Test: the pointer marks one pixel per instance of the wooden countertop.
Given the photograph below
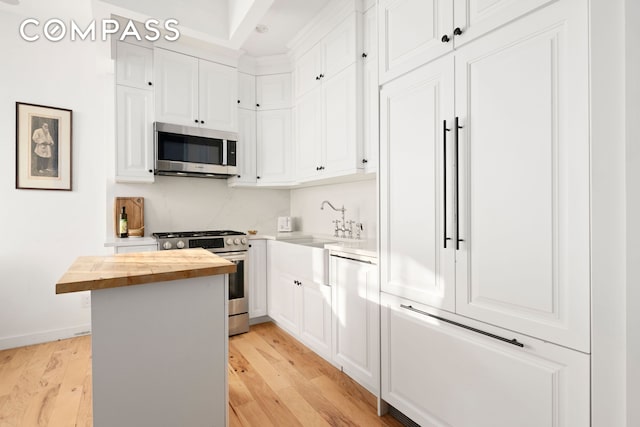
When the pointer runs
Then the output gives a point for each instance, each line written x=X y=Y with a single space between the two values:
x=89 y=273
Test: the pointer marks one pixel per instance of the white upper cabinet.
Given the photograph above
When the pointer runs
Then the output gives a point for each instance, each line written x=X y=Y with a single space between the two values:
x=414 y=262
x=329 y=97
x=307 y=71
x=218 y=92
x=134 y=113
x=412 y=32
x=247 y=145
x=335 y=52
x=246 y=91
x=273 y=92
x=195 y=92
x=328 y=143
x=176 y=88
x=274 y=147
x=474 y=18
x=342 y=142
x=339 y=47
x=370 y=87
x=523 y=262
x=134 y=66
x=308 y=134
x=134 y=132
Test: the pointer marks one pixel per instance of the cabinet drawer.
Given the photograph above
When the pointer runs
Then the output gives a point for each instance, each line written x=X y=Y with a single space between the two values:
x=440 y=374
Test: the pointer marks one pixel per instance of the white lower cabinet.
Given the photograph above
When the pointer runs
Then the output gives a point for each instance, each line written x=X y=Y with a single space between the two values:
x=257 y=263
x=299 y=297
x=356 y=318
x=439 y=374
x=315 y=316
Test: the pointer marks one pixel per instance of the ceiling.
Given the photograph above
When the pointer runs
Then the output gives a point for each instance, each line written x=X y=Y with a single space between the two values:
x=285 y=19
x=231 y=23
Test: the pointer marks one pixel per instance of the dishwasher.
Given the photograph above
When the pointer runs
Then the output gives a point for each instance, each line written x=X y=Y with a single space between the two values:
x=356 y=316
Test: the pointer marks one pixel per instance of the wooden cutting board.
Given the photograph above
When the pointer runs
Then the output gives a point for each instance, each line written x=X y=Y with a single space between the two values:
x=134 y=207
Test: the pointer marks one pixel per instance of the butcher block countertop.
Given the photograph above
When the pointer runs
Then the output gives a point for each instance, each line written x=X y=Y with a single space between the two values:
x=90 y=273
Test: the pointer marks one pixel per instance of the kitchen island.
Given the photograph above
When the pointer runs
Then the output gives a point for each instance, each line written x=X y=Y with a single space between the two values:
x=159 y=336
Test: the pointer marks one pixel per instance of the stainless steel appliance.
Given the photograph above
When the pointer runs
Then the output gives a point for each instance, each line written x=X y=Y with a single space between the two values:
x=231 y=245
x=194 y=151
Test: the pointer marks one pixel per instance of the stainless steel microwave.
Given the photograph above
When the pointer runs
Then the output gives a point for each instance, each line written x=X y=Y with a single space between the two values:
x=192 y=151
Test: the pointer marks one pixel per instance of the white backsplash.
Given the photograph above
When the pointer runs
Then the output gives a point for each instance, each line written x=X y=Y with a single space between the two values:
x=359 y=199
x=192 y=204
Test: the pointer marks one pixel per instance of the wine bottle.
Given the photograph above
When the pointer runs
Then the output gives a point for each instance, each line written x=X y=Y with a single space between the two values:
x=124 y=224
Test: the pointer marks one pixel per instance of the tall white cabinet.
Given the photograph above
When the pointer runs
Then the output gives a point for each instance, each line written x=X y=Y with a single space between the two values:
x=329 y=99
x=484 y=192
x=134 y=113
x=265 y=142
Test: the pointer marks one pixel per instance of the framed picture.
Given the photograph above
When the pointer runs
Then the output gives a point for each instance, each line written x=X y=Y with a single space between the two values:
x=43 y=147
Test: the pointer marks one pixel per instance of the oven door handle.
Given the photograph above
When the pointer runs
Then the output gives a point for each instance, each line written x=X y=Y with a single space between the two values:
x=232 y=256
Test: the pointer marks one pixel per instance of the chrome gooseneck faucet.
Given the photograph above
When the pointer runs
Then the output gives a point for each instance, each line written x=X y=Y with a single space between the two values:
x=340 y=225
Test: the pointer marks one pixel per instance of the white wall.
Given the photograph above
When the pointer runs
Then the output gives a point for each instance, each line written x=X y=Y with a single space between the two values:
x=44 y=231
x=189 y=204
x=358 y=198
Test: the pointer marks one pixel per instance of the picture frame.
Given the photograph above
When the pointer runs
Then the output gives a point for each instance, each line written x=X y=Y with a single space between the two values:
x=43 y=147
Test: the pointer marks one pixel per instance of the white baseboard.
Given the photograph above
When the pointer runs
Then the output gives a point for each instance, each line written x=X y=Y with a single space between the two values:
x=40 y=337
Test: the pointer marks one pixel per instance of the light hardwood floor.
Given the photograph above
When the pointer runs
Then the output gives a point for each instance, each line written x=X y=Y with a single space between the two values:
x=273 y=381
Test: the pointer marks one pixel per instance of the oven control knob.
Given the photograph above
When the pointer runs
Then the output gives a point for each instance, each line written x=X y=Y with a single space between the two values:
x=236 y=241
x=180 y=244
x=229 y=241
x=244 y=241
x=166 y=245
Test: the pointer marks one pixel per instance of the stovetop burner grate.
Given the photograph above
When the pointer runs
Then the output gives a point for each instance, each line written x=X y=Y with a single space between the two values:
x=192 y=234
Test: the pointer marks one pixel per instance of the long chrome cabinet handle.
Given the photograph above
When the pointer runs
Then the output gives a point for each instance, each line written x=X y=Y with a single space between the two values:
x=479 y=331
x=444 y=186
x=457 y=186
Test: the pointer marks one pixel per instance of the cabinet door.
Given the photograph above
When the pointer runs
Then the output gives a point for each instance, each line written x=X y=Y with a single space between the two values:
x=273 y=91
x=413 y=261
x=274 y=146
x=257 y=257
x=218 y=96
x=443 y=375
x=315 y=316
x=246 y=91
x=371 y=109
x=342 y=141
x=246 y=146
x=286 y=301
x=134 y=146
x=307 y=71
x=410 y=34
x=524 y=177
x=339 y=47
x=176 y=78
x=478 y=17
x=356 y=320
x=370 y=39
x=134 y=66
x=308 y=135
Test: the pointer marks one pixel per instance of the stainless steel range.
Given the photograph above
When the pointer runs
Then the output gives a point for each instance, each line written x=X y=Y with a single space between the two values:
x=231 y=245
